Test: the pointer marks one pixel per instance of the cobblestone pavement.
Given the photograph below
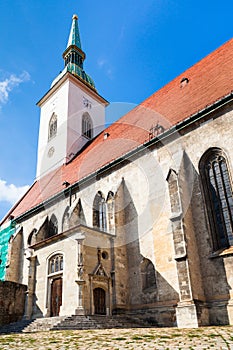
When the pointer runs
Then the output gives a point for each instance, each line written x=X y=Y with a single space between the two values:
x=136 y=339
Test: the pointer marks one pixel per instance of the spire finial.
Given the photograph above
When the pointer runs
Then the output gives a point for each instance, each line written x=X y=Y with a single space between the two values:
x=74 y=55
x=74 y=38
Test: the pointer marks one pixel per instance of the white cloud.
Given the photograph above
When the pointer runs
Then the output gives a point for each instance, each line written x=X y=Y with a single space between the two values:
x=104 y=64
x=101 y=62
x=109 y=73
x=8 y=85
x=11 y=193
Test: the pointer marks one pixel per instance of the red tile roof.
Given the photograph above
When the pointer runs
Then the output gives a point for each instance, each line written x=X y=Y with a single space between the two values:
x=208 y=81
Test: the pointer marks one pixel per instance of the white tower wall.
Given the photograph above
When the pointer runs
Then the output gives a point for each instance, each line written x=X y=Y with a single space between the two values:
x=71 y=95
x=52 y=153
x=69 y=102
x=80 y=102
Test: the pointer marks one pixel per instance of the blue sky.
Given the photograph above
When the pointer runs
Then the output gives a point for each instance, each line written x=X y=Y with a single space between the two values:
x=133 y=48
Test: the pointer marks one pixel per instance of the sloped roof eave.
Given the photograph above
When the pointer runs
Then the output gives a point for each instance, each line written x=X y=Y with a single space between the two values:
x=191 y=119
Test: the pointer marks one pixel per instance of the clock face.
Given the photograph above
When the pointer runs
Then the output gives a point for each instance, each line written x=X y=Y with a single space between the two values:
x=86 y=102
x=51 y=152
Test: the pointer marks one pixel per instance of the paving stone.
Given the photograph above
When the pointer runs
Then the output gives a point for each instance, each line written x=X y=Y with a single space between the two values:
x=216 y=338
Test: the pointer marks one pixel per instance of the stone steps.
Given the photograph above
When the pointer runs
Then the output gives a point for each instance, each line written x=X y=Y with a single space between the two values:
x=43 y=324
x=72 y=323
x=97 y=322
x=15 y=327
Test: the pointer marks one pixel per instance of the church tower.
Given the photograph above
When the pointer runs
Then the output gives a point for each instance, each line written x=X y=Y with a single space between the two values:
x=72 y=111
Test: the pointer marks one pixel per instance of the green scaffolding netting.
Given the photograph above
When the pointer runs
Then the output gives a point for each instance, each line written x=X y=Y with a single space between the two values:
x=5 y=234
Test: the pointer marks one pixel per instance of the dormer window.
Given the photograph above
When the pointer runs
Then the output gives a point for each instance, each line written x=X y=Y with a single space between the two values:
x=52 y=132
x=87 y=128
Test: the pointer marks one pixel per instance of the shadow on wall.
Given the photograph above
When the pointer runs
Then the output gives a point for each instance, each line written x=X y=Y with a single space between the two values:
x=211 y=271
x=72 y=217
x=139 y=285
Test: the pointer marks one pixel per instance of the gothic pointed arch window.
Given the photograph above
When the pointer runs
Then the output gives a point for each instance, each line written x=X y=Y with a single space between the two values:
x=110 y=204
x=148 y=275
x=99 y=212
x=52 y=131
x=217 y=188
x=52 y=226
x=87 y=126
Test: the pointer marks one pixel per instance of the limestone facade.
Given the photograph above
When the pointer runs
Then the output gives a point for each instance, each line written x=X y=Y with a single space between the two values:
x=160 y=218
x=137 y=219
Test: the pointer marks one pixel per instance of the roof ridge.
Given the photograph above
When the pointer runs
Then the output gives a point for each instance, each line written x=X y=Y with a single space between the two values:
x=210 y=80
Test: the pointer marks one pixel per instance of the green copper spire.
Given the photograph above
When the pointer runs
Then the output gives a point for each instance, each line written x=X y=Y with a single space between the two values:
x=74 y=55
x=74 y=38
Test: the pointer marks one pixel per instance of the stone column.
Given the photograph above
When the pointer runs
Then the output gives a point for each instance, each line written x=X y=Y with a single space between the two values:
x=92 y=307
x=119 y=250
x=113 y=283
x=31 y=287
x=80 y=281
x=48 y=304
x=109 y=304
x=186 y=312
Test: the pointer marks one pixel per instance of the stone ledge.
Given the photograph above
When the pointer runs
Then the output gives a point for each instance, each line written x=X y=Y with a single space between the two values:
x=221 y=253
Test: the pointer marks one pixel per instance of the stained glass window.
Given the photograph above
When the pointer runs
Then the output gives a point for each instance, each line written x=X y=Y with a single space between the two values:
x=217 y=187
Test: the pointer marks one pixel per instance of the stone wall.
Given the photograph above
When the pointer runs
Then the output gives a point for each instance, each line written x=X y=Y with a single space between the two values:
x=12 y=299
x=160 y=215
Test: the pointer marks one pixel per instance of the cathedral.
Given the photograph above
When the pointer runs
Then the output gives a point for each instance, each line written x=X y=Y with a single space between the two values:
x=135 y=218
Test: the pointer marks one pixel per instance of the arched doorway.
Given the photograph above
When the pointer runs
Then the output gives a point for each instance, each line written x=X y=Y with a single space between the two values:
x=99 y=301
x=55 y=274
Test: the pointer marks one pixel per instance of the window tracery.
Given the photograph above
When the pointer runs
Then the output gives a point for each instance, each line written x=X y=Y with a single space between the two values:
x=52 y=132
x=218 y=194
x=99 y=212
x=55 y=264
x=87 y=128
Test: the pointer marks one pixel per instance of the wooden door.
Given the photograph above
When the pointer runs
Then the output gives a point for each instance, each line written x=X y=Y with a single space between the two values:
x=56 y=296
x=99 y=301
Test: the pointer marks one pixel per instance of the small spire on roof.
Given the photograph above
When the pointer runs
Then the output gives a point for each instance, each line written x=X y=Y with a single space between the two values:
x=75 y=17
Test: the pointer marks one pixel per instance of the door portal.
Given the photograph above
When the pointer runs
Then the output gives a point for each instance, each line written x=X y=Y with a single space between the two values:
x=56 y=296
x=99 y=301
